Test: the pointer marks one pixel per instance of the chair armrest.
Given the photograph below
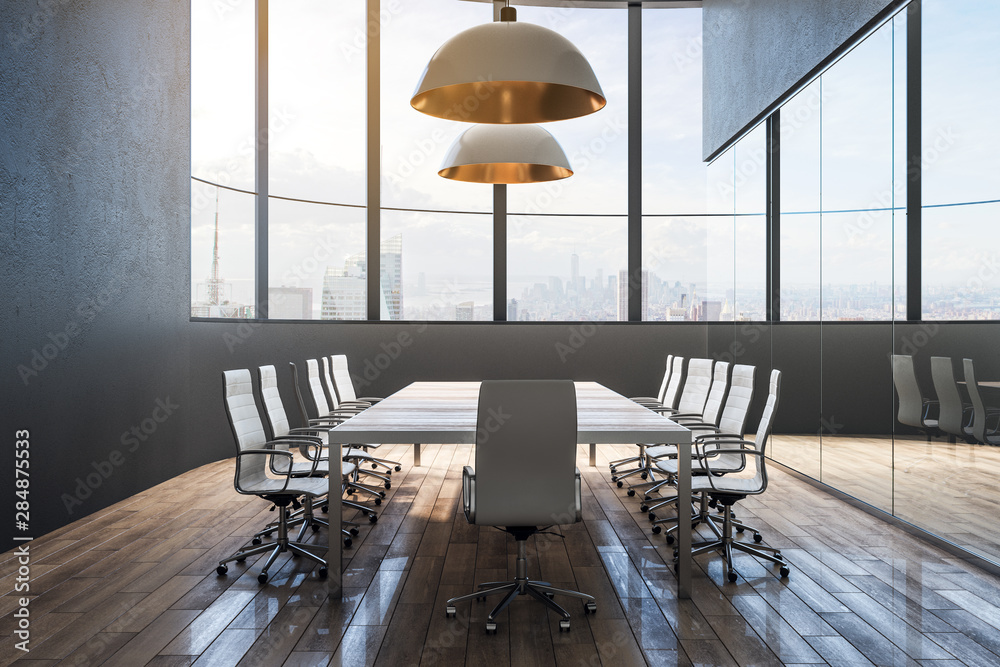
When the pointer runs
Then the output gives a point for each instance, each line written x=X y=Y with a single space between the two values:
x=368 y=399
x=645 y=399
x=293 y=437
x=687 y=415
x=265 y=452
x=663 y=409
x=469 y=493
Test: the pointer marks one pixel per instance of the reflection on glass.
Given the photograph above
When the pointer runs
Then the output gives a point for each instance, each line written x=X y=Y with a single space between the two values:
x=316 y=261
x=222 y=259
x=566 y=268
x=436 y=266
x=748 y=301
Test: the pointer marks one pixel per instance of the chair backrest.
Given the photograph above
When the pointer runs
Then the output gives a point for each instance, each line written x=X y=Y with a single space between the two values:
x=734 y=416
x=764 y=430
x=342 y=382
x=274 y=409
x=720 y=383
x=331 y=393
x=696 y=386
x=950 y=418
x=526 y=453
x=298 y=394
x=315 y=383
x=674 y=385
x=978 y=407
x=911 y=400
x=248 y=431
x=666 y=379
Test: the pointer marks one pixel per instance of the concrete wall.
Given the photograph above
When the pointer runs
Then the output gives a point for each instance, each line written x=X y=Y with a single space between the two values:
x=755 y=52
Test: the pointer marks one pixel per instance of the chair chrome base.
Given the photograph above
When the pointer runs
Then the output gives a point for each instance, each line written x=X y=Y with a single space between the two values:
x=281 y=545
x=522 y=585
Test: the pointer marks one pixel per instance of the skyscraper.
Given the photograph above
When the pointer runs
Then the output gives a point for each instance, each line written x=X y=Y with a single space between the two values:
x=512 y=310
x=623 y=295
x=345 y=291
x=574 y=272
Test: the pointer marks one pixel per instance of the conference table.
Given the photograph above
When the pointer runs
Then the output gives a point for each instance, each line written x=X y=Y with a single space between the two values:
x=445 y=413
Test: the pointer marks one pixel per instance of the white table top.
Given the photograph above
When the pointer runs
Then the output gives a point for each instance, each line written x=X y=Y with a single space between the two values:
x=445 y=413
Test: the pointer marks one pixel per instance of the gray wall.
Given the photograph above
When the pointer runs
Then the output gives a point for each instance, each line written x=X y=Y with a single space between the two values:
x=94 y=208
x=755 y=52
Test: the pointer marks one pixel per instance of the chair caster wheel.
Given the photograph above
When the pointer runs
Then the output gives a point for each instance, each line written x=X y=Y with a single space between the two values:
x=322 y=573
x=294 y=555
x=670 y=538
x=398 y=468
x=647 y=498
x=713 y=503
x=373 y=518
x=784 y=571
x=255 y=541
x=491 y=628
x=564 y=625
x=676 y=566
x=644 y=507
x=241 y=560
x=732 y=577
x=262 y=577
x=222 y=569
x=656 y=530
x=652 y=516
x=739 y=530
x=269 y=533
x=757 y=538
x=644 y=475
x=348 y=543
x=613 y=478
x=315 y=527
x=620 y=484
x=388 y=485
x=630 y=493
x=374 y=466
x=326 y=509
x=354 y=532
x=378 y=501
x=449 y=612
x=590 y=608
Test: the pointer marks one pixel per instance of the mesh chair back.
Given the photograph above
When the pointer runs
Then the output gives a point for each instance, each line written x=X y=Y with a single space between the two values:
x=247 y=428
x=674 y=385
x=342 y=382
x=696 y=386
x=526 y=453
x=911 y=401
x=720 y=383
x=315 y=384
x=274 y=410
x=978 y=407
x=734 y=416
x=666 y=380
x=950 y=418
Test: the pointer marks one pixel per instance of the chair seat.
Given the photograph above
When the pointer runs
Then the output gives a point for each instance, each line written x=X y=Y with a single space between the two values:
x=301 y=486
x=727 y=484
x=720 y=463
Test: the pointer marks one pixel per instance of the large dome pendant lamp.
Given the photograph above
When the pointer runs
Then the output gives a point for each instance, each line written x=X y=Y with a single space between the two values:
x=508 y=72
x=505 y=154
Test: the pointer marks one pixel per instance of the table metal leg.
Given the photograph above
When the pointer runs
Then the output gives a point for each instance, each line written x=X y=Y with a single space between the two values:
x=683 y=523
x=334 y=554
x=416 y=454
x=593 y=455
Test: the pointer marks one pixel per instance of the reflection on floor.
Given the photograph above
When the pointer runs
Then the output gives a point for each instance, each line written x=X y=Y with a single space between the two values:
x=135 y=584
x=948 y=489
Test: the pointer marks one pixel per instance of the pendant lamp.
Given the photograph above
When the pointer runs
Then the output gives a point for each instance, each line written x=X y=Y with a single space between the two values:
x=505 y=154
x=508 y=72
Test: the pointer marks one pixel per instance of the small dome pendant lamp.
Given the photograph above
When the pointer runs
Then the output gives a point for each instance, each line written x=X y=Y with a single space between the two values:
x=505 y=154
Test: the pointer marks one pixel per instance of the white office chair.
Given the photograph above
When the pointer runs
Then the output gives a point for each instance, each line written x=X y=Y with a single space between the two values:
x=524 y=499
x=254 y=454
x=981 y=429
x=954 y=416
x=650 y=401
x=914 y=410
x=721 y=459
x=343 y=384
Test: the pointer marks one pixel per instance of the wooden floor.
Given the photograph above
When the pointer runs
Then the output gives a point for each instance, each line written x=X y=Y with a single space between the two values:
x=135 y=584
x=949 y=489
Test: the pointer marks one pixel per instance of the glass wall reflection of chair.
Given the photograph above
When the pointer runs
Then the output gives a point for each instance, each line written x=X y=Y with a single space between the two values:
x=914 y=410
x=255 y=457
x=982 y=431
x=954 y=416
